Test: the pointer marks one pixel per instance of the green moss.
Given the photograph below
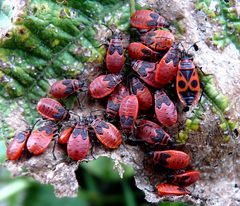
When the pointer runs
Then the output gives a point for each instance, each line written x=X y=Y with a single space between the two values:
x=181 y=29
x=226 y=16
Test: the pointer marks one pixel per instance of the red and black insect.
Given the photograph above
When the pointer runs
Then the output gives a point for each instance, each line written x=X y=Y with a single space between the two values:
x=64 y=135
x=184 y=179
x=146 y=71
x=66 y=87
x=115 y=99
x=104 y=85
x=164 y=189
x=167 y=66
x=142 y=92
x=40 y=138
x=17 y=145
x=158 y=39
x=152 y=133
x=52 y=110
x=172 y=159
x=165 y=110
x=79 y=144
x=139 y=51
x=107 y=133
x=115 y=54
x=147 y=19
x=128 y=112
x=187 y=82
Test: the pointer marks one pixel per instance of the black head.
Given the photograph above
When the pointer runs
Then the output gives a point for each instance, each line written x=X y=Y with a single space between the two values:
x=186 y=56
x=67 y=116
x=117 y=35
x=170 y=177
x=150 y=154
x=133 y=62
x=83 y=85
x=186 y=109
x=171 y=141
x=167 y=24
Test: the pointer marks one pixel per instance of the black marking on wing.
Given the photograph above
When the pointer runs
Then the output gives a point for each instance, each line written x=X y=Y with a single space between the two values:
x=187 y=73
x=126 y=121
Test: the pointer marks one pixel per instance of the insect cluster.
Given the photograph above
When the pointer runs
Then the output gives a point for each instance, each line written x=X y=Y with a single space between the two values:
x=135 y=101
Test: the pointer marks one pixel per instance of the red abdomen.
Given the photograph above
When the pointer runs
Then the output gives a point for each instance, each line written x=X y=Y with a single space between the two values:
x=107 y=133
x=165 y=110
x=142 y=92
x=115 y=56
x=52 y=109
x=147 y=19
x=184 y=179
x=40 y=139
x=167 y=66
x=64 y=135
x=158 y=40
x=153 y=134
x=164 y=189
x=78 y=144
x=128 y=112
x=66 y=87
x=115 y=99
x=104 y=85
x=146 y=71
x=17 y=145
x=172 y=159
x=139 y=51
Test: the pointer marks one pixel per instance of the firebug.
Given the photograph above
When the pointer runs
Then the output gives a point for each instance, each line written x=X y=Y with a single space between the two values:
x=165 y=109
x=147 y=19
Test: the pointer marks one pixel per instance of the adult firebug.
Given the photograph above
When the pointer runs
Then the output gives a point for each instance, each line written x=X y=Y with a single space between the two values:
x=66 y=87
x=184 y=179
x=52 y=110
x=143 y=94
x=187 y=82
x=115 y=99
x=128 y=112
x=158 y=39
x=40 y=138
x=164 y=189
x=137 y=50
x=152 y=133
x=107 y=133
x=146 y=71
x=147 y=19
x=104 y=85
x=79 y=143
x=172 y=159
x=165 y=110
x=17 y=145
x=167 y=67
x=115 y=54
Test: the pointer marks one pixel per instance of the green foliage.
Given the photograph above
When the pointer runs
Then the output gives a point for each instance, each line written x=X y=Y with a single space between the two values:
x=49 y=40
x=25 y=191
x=43 y=195
x=103 y=167
x=2 y=151
x=225 y=14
